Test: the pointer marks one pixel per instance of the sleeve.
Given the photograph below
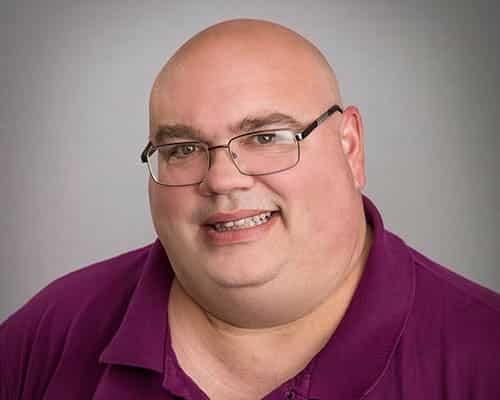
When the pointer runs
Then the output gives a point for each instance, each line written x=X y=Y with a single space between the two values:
x=14 y=354
x=487 y=370
x=479 y=353
x=27 y=350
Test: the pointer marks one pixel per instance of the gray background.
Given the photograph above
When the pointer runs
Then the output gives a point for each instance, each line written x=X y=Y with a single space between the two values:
x=75 y=78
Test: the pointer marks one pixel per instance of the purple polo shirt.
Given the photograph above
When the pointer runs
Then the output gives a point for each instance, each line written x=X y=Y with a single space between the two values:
x=414 y=330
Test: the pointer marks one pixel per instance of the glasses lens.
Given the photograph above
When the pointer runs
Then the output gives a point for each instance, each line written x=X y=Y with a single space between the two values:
x=265 y=152
x=179 y=163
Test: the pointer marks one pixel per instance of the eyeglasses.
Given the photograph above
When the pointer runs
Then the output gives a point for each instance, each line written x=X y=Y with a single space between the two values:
x=257 y=153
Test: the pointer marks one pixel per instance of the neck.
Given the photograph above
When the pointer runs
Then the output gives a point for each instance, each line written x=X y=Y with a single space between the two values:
x=241 y=360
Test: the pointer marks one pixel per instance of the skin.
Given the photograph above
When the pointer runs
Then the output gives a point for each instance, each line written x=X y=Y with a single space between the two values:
x=233 y=307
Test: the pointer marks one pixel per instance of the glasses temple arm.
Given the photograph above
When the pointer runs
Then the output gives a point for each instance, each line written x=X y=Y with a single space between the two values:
x=144 y=154
x=302 y=135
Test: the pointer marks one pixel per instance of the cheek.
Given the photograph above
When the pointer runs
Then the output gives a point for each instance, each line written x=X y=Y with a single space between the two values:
x=323 y=200
x=169 y=208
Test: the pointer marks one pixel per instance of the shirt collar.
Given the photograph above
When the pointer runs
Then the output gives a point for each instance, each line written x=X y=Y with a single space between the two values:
x=360 y=350
x=140 y=339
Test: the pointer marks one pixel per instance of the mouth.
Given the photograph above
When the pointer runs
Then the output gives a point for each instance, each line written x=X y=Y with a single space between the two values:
x=240 y=226
x=243 y=223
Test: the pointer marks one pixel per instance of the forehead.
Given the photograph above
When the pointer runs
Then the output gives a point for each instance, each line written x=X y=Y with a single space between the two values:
x=214 y=105
x=219 y=85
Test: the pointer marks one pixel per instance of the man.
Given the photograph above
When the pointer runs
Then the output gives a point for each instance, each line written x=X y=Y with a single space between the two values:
x=273 y=277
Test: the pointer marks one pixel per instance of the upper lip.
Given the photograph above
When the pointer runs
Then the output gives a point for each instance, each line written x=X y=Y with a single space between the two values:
x=225 y=217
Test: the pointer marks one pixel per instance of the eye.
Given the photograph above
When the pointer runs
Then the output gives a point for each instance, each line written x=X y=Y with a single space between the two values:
x=271 y=138
x=180 y=151
x=184 y=149
x=264 y=138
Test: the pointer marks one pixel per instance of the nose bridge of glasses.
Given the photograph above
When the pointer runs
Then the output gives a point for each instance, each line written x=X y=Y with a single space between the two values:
x=232 y=155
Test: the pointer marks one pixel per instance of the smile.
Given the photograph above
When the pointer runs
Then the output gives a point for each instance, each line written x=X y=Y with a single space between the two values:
x=243 y=223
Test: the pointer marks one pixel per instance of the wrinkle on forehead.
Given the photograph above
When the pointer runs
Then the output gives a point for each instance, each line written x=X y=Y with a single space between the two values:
x=241 y=47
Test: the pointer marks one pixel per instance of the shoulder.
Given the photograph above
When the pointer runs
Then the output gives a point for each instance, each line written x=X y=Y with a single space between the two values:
x=446 y=301
x=458 y=296
x=455 y=327
x=82 y=308
x=108 y=280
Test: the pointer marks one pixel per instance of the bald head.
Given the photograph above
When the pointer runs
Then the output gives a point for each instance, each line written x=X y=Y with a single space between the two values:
x=245 y=38
x=243 y=51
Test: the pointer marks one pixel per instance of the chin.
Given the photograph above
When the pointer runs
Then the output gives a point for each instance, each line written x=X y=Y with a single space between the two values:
x=232 y=275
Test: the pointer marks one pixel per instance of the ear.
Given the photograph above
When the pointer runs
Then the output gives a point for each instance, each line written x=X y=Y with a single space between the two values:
x=351 y=136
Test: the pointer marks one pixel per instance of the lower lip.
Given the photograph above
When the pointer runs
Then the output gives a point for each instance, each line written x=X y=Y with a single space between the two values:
x=240 y=235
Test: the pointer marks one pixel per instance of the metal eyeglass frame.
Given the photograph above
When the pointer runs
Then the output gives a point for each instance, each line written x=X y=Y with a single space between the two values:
x=150 y=147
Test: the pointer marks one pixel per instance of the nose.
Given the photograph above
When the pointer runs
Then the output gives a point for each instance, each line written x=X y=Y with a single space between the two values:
x=222 y=176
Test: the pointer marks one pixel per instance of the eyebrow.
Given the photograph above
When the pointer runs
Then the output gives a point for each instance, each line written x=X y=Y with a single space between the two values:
x=246 y=125
x=249 y=124
x=176 y=131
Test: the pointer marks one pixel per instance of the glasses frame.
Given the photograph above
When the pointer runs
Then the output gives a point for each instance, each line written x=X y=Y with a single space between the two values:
x=300 y=136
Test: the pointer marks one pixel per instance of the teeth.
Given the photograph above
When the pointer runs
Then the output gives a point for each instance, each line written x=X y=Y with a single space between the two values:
x=243 y=223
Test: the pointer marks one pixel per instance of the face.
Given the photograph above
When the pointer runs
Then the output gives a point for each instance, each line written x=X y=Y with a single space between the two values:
x=278 y=270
